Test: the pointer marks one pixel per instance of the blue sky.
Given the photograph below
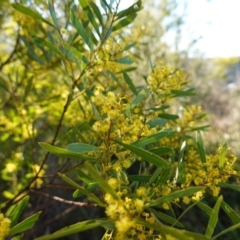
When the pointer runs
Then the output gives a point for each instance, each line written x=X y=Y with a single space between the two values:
x=218 y=24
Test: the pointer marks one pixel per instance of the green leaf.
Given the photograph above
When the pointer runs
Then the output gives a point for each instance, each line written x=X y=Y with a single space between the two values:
x=19 y=237
x=137 y=100
x=64 y=152
x=163 y=177
x=28 y=88
x=181 y=93
x=100 y=180
x=90 y=196
x=139 y=178
x=205 y=208
x=90 y=15
x=74 y=228
x=29 y=12
x=200 y=148
x=156 y=122
x=18 y=210
x=229 y=211
x=168 y=116
x=53 y=14
x=161 y=150
x=152 y=138
x=124 y=60
x=172 y=232
x=165 y=218
x=83 y=176
x=222 y=156
x=124 y=22
x=68 y=54
x=213 y=218
x=236 y=226
x=44 y=43
x=230 y=186
x=129 y=82
x=26 y=224
x=97 y=12
x=146 y=155
x=90 y=187
x=81 y=31
x=155 y=175
x=174 y=195
x=132 y=9
x=82 y=148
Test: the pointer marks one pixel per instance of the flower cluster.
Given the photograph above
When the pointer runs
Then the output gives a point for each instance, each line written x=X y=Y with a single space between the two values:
x=113 y=125
x=208 y=174
x=4 y=226
x=163 y=80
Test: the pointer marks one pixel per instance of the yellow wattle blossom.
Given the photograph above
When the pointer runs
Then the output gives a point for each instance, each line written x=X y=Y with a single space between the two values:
x=4 y=226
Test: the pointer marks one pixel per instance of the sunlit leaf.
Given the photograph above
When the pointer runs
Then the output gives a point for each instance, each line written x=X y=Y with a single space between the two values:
x=18 y=210
x=81 y=31
x=29 y=12
x=90 y=196
x=26 y=224
x=172 y=232
x=100 y=180
x=45 y=43
x=139 y=98
x=213 y=218
x=146 y=155
x=174 y=195
x=129 y=82
x=74 y=228
x=64 y=152
x=124 y=22
x=82 y=148
x=200 y=148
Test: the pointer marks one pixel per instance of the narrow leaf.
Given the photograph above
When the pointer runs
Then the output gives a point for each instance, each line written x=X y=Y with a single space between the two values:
x=168 y=116
x=200 y=148
x=26 y=224
x=100 y=180
x=230 y=186
x=124 y=60
x=165 y=218
x=124 y=22
x=236 y=226
x=90 y=196
x=205 y=208
x=137 y=100
x=82 y=148
x=129 y=82
x=53 y=14
x=81 y=31
x=152 y=138
x=139 y=178
x=146 y=155
x=172 y=232
x=90 y=187
x=44 y=43
x=18 y=210
x=213 y=218
x=74 y=228
x=174 y=195
x=29 y=12
x=97 y=12
x=132 y=9
x=64 y=152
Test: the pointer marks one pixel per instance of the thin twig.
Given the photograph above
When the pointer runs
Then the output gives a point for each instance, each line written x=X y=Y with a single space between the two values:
x=79 y=204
